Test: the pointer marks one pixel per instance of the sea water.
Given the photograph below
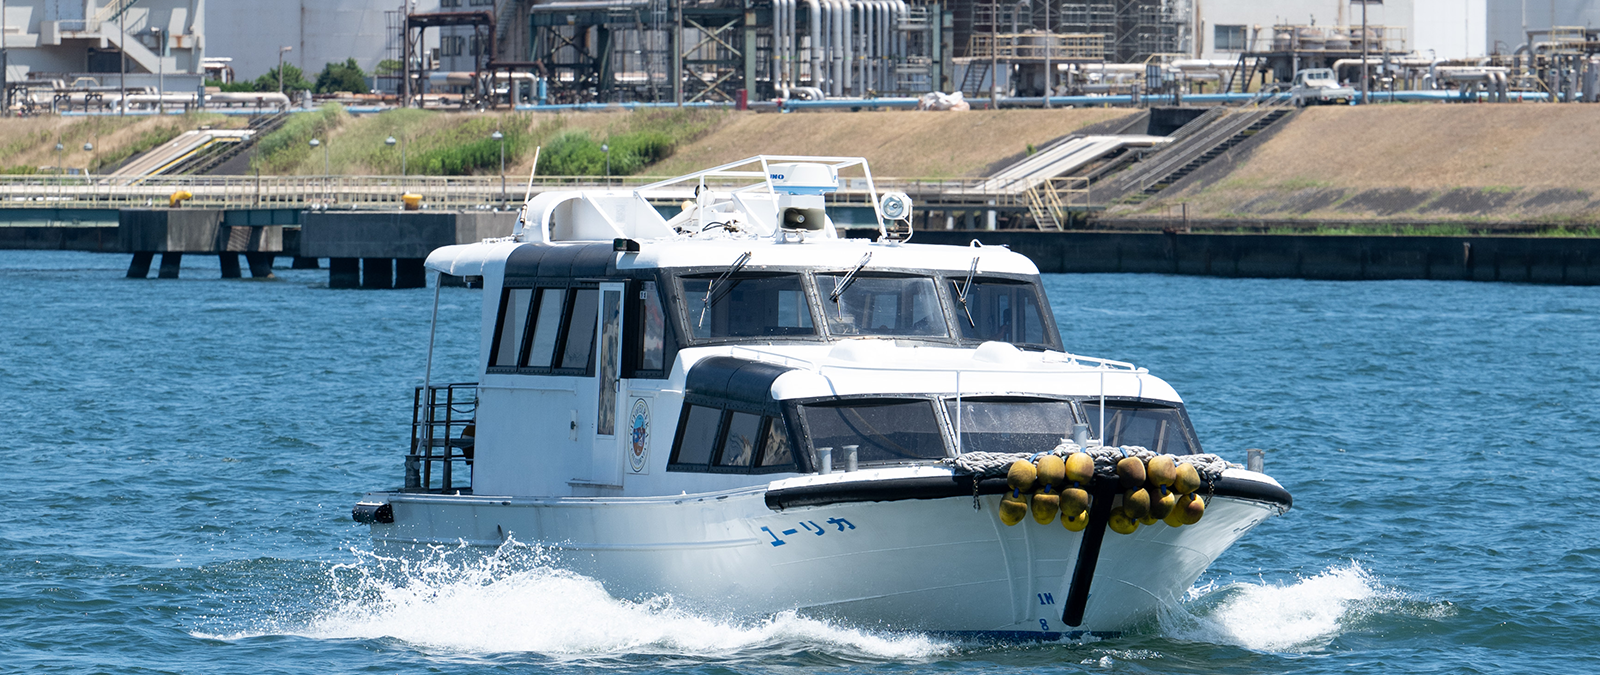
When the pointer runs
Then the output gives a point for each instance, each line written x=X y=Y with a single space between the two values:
x=180 y=457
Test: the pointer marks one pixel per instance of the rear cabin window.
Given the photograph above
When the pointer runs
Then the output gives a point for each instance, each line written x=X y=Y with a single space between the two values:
x=711 y=439
x=999 y=310
x=901 y=430
x=881 y=305
x=513 y=321
x=547 y=331
x=1158 y=428
x=747 y=306
x=653 y=328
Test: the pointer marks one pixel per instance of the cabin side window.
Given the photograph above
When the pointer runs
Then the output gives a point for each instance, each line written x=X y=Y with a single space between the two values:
x=646 y=351
x=513 y=321
x=546 y=331
x=715 y=440
x=1010 y=424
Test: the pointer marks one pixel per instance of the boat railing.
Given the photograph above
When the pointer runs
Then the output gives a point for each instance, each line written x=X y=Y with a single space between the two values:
x=443 y=435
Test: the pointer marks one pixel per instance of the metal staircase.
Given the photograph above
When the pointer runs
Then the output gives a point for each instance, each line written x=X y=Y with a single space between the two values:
x=1194 y=150
x=203 y=163
x=1045 y=205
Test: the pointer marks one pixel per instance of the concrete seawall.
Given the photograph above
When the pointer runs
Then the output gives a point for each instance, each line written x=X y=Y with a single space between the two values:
x=1545 y=260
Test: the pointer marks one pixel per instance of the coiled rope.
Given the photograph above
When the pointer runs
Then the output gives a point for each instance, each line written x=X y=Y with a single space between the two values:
x=994 y=464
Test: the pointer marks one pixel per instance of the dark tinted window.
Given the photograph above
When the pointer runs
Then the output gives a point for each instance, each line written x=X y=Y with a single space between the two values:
x=580 y=328
x=699 y=436
x=1159 y=429
x=747 y=306
x=887 y=431
x=513 y=319
x=744 y=433
x=1011 y=426
x=653 y=328
x=775 y=449
x=546 y=325
x=1000 y=311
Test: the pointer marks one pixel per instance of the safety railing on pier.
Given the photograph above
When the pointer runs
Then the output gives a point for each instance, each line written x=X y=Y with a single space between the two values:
x=447 y=192
x=443 y=436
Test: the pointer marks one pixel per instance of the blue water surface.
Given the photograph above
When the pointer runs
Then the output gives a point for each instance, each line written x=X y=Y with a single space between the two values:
x=181 y=456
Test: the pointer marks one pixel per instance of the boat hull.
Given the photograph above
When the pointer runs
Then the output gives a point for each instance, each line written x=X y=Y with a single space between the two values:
x=927 y=564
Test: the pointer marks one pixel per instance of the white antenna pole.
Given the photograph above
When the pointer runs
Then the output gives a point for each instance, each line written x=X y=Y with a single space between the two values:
x=529 y=194
x=433 y=327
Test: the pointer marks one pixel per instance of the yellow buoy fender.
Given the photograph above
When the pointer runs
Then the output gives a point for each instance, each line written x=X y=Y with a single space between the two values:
x=1162 y=502
x=1131 y=472
x=1121 y=523
x=1075 y=523
x=1136 y=503
x=1045 y=506
x=1012 y=508
x=1080 y=468
x=1021 y=475
x=1175 y=517
x=1074 y=501
x=1193 y=507
x=1052 y=471
x=1161 y=470
x=1188 y=479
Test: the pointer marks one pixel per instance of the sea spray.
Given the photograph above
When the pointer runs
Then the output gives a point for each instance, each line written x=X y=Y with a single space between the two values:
x=461 y=601
x=1302 y=616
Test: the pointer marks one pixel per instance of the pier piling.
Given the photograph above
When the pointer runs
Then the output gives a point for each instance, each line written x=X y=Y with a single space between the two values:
x=139 y=267
x=344 y=273
x=377 y=273
x=171 y=261
x=230 y=265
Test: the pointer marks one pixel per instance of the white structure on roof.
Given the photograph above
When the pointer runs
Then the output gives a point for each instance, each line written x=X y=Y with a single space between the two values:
x=68 y=39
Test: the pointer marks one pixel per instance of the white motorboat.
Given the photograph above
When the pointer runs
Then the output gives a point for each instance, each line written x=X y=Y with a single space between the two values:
x=741 y=409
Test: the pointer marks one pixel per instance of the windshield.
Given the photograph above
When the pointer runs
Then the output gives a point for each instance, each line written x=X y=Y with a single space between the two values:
x=748 y=306
x=885 y=430
x=1160 y=429
x=999 y=310
x=1011 y=425
x=882 y=306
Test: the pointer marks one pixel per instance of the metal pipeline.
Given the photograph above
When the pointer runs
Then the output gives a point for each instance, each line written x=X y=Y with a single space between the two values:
x=813 y=53
x=844 y=34
x=779 y=73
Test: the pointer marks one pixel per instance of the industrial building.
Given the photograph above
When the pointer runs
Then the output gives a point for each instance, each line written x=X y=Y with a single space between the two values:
x=99 y=48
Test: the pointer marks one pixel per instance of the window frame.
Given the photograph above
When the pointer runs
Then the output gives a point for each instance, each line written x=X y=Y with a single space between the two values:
x=1052 y=334
x=768 y=417
x=568 y=288
x=944 y=308
x=633 y=308
x=1188 y=430
x=1218 y=30
x=679 y=309
x=808 y=448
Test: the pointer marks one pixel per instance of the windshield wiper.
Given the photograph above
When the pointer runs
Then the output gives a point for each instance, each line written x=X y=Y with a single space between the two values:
x=967 y=286
x=714 y=286
x=839 y=287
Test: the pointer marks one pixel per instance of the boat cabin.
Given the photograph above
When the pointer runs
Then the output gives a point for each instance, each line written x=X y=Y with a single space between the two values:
x=628 y=353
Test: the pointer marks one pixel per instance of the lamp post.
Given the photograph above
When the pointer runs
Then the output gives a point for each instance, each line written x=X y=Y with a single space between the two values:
x=501 y=138
x=59 y=148
x=607 y=149
x=89 y=148
x=281 y=52
x=161 y=70
x=314 y=145
x=390 y=142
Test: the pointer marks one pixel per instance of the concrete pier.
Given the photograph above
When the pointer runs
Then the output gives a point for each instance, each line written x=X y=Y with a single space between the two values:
x=386 y=249
x=1542 y=260
x=174 y=232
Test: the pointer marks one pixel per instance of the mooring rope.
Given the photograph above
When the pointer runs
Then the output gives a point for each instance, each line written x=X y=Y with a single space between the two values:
x=995 y=464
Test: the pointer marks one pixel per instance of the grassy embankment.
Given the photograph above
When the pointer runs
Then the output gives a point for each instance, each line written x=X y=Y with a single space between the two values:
x=27 y=144
x=1406 y=169
x=456 y=144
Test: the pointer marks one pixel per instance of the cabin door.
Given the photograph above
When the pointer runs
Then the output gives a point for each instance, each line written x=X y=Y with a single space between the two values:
x=605 y=466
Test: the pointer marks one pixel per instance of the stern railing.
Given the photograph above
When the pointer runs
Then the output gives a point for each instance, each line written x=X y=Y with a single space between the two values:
x=443 y=436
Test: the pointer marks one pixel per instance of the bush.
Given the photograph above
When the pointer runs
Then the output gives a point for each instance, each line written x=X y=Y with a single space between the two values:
x=345 y=76
x=576 y=154
x=293 y=79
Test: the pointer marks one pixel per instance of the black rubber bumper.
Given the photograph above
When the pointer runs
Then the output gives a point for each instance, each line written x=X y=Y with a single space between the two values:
x=945 y=487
